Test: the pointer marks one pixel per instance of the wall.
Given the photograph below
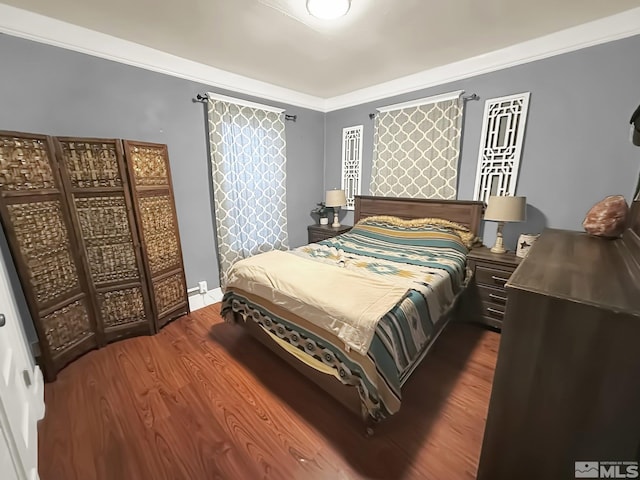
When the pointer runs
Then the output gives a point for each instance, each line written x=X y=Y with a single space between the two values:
x=53 y=91
x=576 y=149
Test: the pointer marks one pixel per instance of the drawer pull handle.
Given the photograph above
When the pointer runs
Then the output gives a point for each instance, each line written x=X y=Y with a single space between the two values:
x=497 y=297
x=499 y=279
x=494 y=311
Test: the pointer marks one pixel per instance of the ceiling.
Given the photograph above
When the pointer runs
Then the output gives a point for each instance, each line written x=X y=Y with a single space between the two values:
x=276 y=41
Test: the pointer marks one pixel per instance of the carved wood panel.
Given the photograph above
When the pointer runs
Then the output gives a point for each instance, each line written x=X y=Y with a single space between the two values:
x=67 y=325
x=106 y=232
x=67 y=209
x=150 y=176
x=122 y=306
x=503 y=130
x=156 y=215
x=44 y=247
x=43 y=240
x=25 y=163
x=169 y=293
x=96 y=184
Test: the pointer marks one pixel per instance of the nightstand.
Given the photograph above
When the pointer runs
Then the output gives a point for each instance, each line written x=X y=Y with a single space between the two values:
x=491 y=272
x=317 y=233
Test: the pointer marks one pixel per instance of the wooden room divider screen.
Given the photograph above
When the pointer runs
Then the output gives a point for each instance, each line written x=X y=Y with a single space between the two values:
x=73 y=224
x=155 y=210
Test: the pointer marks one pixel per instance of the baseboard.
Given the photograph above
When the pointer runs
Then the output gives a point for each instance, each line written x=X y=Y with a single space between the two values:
x=38 y=404
x=201 y=300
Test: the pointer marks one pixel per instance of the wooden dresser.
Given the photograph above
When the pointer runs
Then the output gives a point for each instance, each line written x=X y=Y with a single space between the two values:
x=567 y=382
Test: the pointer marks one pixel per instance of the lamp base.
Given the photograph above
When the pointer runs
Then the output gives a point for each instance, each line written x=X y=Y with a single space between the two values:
x=499 y=246
x=336 y=222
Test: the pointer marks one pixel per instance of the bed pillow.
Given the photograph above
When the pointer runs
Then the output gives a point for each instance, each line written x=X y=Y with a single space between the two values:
x=401 y=228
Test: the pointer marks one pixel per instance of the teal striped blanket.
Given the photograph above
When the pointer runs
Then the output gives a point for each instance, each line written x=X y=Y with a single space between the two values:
x=431 y=258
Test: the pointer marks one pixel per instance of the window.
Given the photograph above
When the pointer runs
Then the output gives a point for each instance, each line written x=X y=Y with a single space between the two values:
x=249 y=172
x=417 y=148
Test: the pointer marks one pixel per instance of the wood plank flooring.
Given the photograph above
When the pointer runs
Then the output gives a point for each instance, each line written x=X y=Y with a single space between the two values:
x=203 y=400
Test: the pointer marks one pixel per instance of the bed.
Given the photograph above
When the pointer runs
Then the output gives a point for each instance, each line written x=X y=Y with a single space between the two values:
x=401 y=280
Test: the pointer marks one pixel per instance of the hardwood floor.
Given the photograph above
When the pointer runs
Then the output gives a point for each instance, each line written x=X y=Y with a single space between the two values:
x=203 y=400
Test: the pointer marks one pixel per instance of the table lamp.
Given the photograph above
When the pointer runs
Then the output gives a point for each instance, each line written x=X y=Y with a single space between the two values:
x=505 y=209
x=335 y=199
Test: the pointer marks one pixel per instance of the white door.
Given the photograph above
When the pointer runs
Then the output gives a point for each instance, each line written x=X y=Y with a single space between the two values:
x=6 y=461
x=21 y=392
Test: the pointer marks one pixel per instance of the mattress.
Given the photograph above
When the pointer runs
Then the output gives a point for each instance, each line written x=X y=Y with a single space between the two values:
x=430 y=257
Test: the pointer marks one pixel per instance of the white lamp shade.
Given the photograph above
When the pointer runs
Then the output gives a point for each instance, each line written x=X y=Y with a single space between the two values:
x=328 y=9
x=335 y=198
x=506 y=209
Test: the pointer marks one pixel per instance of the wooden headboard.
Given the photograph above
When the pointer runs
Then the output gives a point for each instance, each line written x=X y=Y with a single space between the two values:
x=464 y=212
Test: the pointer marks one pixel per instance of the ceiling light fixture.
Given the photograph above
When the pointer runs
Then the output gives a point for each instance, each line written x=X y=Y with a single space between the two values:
x=328 y=9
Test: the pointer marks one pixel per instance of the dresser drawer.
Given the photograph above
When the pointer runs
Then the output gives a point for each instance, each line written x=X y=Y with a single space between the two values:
x=492 y=276
x=493 y=314
x=317 y=233
x=315 y=237
x=497 y=296
x=493 y=310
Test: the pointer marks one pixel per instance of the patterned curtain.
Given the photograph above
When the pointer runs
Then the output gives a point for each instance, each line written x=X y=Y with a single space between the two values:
x=416 y=150
x=249 y=171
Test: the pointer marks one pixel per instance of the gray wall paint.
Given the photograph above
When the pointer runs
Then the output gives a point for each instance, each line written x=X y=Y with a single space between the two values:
x=53 y=91
x=576 y=148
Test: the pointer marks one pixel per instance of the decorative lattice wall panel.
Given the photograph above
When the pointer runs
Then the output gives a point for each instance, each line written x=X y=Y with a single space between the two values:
x=503 y=130
x=351 y=163
x=155 y=211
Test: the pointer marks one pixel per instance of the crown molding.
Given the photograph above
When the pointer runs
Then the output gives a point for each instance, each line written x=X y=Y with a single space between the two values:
x=607 y=29
x=42 y=29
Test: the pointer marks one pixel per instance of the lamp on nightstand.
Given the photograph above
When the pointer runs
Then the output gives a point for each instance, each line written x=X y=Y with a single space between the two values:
x=335 y=199
x=505 y=209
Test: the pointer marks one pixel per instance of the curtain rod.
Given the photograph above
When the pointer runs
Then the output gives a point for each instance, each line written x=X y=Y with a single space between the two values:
x=204 y=98
x=466 y=98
